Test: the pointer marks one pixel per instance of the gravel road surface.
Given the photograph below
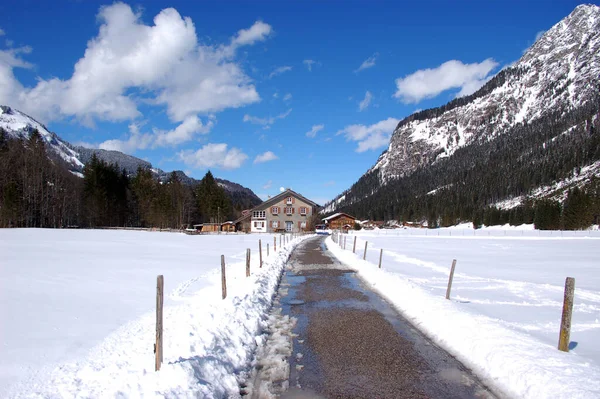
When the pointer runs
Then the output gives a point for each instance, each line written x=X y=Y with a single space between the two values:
x=348 y=342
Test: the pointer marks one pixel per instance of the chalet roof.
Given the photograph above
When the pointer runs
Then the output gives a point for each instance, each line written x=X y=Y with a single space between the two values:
x=337 y=215
x=284 y=194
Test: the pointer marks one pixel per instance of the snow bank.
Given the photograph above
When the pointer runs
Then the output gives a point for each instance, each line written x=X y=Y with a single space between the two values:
x=504 y=316
x=78 y=312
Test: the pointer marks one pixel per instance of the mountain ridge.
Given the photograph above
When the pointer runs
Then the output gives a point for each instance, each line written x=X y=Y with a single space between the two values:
x=556 y=76
x=20 y=125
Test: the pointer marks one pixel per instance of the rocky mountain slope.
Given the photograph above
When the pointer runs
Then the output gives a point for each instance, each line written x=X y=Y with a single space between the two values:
x=559 y=72
x=554 y=84
x=20 y=125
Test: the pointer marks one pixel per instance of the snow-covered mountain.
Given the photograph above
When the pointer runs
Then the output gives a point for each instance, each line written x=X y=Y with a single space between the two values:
x=20 y=125
x=560 y=71
x=558 y=74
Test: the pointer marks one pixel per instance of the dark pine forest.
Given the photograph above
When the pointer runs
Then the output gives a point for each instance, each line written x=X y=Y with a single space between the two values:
x=465 y=186
x=38 y=190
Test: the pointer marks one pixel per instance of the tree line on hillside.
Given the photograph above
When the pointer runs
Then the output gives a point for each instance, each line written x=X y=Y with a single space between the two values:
x=465 y=186
x=37 y=190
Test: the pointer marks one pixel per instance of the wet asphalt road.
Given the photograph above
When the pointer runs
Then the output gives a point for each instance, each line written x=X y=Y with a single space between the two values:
x=350 y=343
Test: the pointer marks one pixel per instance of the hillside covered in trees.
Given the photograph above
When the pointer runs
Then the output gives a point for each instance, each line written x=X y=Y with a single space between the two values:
x=468 y=185
x=38 y=190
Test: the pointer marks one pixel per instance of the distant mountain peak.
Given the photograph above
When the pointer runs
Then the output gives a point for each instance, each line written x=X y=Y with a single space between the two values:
x=559 y=71
x=20 y=125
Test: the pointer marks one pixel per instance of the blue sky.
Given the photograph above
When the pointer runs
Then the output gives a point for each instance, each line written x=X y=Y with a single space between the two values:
x=268 y=94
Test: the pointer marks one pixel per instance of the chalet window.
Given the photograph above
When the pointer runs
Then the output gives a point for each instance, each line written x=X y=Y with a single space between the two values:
x=275 y=224
x=259 y=214
x=303 y=225
x=303 y=210
x=289 y=200
x=275 y=210
x=289 y=210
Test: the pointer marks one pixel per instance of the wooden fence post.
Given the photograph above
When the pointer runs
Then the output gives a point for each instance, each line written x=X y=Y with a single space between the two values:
x=380 y=256
x=158 y=345
x=365 y=255
x=223 y=280
x=345 y=239
x=267 y=249
x=260 y=252
x=247 y=262
x=450 y=279
x=567 y=311
x=280 y=241
x=274 y=244
x=354 y=247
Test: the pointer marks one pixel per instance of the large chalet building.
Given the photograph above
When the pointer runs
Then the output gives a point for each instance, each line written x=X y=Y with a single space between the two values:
x=286 y=212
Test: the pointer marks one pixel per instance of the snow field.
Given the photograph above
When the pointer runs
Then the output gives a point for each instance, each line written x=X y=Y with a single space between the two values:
x=504 y=314
x=78 y=312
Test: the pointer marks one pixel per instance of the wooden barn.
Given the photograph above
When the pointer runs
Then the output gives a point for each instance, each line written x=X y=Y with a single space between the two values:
x=207 y=227
x=340 y=221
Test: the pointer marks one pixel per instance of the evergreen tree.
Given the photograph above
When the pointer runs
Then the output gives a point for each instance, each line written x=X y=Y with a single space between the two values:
x=213 y=203
x=577 y=210
x=547 y=215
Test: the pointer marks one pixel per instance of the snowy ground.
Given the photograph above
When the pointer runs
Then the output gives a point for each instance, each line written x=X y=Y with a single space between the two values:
x=77 y=312
x=504 y=315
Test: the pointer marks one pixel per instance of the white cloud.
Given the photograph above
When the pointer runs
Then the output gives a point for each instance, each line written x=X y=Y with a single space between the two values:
x=129 y=62
x=213 y=155
x=266 y=122
x=265 y=157
x=309 y=64
x=368 y=63
x=2 y=32
x=279 y=71
x=287 y=97
x=137 y=140
x=314 y=130
x=275 y=95
x=268 y=185
x=370 y=137
x=329 y=183
x=191 y=126
x=428 y=83
x=11 y=58
x=364 y=104
x=256 y=33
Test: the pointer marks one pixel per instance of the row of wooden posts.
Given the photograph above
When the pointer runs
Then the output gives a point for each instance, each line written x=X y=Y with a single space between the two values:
x=160 y=283
x=567 y=310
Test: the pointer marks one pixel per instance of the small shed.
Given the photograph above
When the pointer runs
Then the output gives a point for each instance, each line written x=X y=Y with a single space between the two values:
x=228 y=226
